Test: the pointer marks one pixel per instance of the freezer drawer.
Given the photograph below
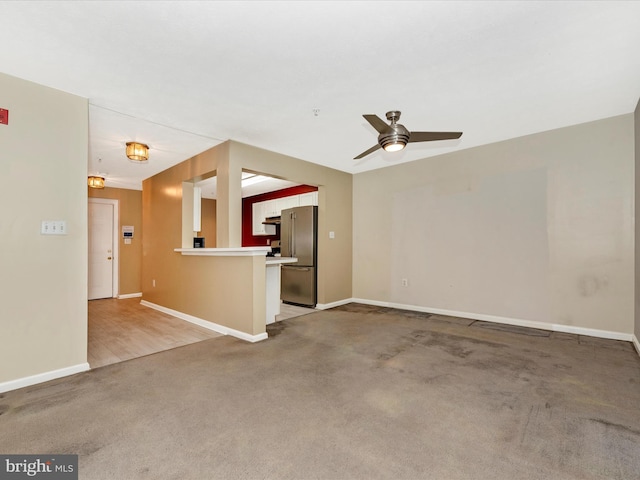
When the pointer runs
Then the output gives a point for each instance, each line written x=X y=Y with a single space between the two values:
x=298 y=285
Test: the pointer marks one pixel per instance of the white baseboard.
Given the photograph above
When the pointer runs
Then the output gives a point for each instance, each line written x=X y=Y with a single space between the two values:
x=636 y=344
x=326 y=306
x=207 y=324
x=43 y=377
x=375 y=303
x=130 y=295
x=591 y=332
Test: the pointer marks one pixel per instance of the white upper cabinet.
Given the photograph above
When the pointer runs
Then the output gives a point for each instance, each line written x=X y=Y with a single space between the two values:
x=310 y=198
x=273 y=208
x=286 y=202
x=257 y=217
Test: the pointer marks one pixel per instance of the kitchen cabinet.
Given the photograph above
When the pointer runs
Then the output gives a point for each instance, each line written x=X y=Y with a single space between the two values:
x=272 y=208
x=286 y=202
x=257 y=217
x=305 y=199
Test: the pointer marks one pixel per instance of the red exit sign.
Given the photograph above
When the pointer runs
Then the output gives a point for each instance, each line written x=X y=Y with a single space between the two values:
x=4 y=116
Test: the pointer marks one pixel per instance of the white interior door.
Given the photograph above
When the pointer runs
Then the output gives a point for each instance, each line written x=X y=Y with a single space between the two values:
x=101 y=255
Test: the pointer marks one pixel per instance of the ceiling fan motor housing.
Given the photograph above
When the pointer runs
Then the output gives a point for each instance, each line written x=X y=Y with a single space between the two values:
x=396 y=134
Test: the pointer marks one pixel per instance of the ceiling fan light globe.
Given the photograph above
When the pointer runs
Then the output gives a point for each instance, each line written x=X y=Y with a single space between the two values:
x=394 y=147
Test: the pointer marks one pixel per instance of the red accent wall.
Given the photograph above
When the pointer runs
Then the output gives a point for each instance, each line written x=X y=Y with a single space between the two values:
x=249 y=240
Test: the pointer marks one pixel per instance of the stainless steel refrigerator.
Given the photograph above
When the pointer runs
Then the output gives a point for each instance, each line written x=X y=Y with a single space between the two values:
x=299 y=238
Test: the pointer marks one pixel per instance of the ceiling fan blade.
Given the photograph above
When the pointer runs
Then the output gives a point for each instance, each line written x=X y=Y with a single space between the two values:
x=376 y=122
x=432 y=136
x=371 y=150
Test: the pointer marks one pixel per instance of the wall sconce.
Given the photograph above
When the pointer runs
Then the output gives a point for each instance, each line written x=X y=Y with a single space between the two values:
x=95 y=181
x=138 y=152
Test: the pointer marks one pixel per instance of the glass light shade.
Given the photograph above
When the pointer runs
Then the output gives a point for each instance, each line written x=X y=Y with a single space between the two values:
x=137 y=151
x=95 y=182
x=394 y=147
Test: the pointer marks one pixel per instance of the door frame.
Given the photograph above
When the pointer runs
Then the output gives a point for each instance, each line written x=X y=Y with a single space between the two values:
x=116 y=238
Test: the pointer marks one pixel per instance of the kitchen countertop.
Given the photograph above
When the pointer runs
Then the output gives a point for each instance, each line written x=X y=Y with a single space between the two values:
x=235 y=252
x=280 y=260
x=224 y=252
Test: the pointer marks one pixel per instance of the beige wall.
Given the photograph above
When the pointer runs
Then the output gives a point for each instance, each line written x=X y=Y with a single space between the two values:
x=229 y=291
x=538 y=228
x=129 y=213
x=162 y=226
x=43 y=176
x=208 y=222
x=334 y=213
x=219 y=290
x=177 y=277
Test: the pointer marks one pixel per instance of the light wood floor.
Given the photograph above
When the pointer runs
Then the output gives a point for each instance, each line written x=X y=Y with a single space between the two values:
x=291 y=311
x=123 y=329
x=120 y=330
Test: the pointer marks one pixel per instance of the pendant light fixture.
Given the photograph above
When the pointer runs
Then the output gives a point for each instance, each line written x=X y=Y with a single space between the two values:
x=95 y=181
x=138 y=152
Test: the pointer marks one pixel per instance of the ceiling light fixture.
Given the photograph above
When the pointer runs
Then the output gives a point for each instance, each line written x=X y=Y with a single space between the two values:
x=396 y=137
x=138 y=152
x=95 y=182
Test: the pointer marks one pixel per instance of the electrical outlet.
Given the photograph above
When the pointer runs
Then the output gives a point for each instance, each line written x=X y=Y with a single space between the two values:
x=405 y=282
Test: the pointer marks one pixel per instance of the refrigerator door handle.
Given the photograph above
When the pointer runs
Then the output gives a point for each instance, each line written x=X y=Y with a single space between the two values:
x=292 y=234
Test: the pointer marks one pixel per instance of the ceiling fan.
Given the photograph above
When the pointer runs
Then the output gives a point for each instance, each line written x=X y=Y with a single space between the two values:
x=394 y=137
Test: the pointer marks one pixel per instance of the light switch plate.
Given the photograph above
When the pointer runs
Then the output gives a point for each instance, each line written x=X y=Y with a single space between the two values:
x=53 y=227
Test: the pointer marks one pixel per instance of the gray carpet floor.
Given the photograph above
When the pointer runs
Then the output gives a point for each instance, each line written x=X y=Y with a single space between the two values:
x=355 y=392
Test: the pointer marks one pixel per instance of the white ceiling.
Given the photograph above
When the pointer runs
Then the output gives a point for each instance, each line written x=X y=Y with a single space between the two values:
x=186 y=76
